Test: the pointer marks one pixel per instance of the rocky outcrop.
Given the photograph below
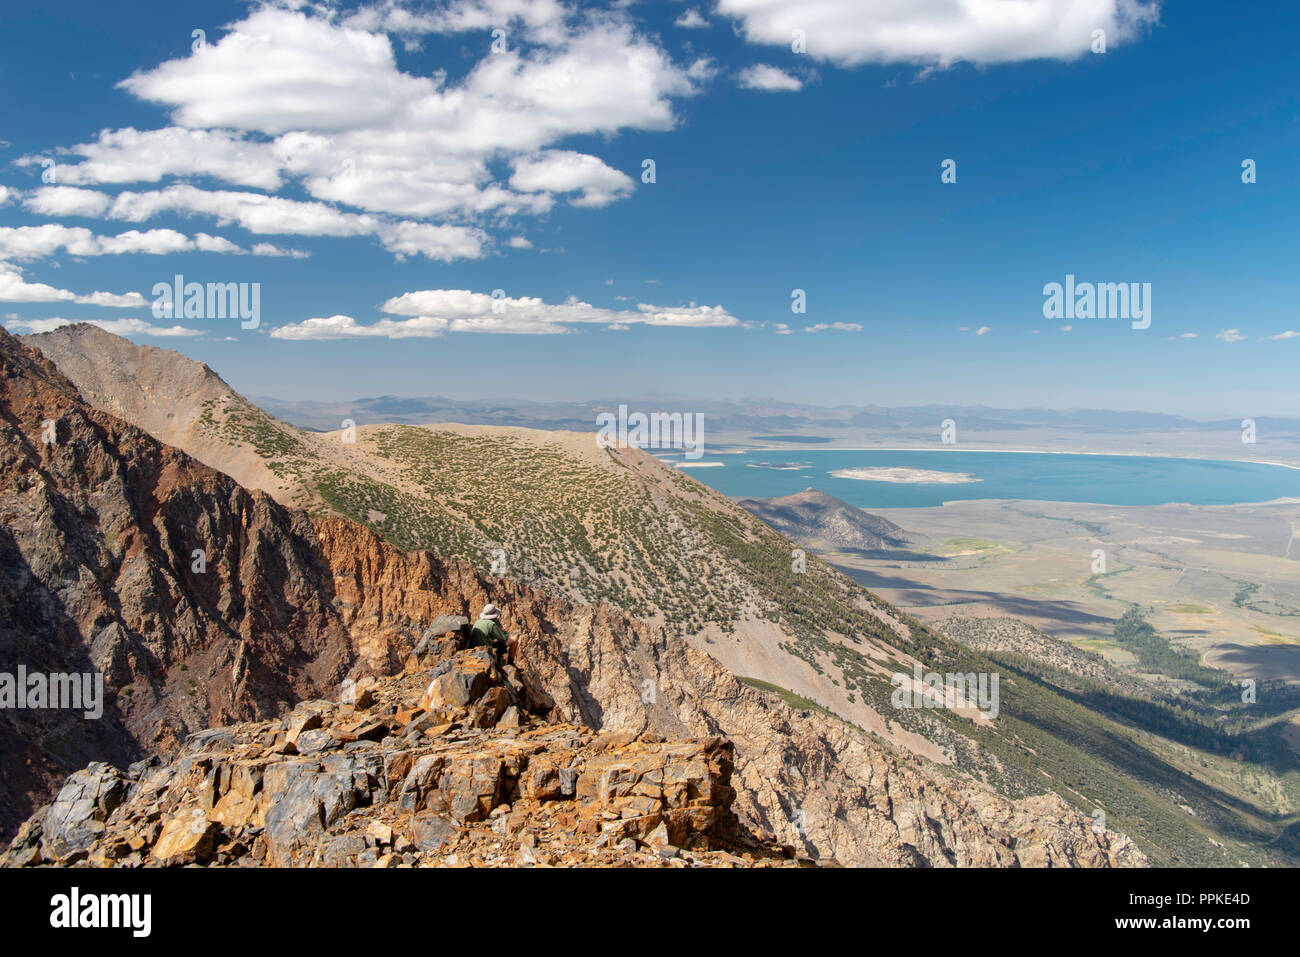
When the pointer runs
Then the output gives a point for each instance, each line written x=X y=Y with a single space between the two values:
x=380 y=780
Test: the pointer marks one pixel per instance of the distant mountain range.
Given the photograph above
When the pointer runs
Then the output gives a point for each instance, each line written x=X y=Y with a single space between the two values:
x=758 y=416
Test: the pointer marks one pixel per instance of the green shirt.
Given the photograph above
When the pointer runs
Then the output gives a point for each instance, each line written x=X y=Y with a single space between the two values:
x=485 y=632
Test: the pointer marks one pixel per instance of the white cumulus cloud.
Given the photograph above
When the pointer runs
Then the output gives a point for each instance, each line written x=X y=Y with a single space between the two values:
x=691 y=20
x=434 y=312
x=770 y=78
x=939 y=32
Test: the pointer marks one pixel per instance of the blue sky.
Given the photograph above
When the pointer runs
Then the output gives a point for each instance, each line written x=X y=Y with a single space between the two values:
x=405 y=157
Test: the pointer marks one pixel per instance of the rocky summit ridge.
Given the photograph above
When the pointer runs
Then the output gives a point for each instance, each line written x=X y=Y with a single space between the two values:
x=443 y=765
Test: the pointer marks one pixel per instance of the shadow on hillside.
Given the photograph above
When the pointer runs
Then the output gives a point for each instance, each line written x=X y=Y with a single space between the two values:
x=1276 y=661
x=41 y=747
x=1225 y=812
x=915 y=594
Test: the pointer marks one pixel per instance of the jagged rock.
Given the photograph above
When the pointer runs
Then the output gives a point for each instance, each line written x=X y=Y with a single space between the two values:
x=431 y=831
x=76 y=818
x=187 y=838
x=466 y=680
x=488 y=709
x=490 y=798
x=343 y=851
x=311 y=741
x=302 y=722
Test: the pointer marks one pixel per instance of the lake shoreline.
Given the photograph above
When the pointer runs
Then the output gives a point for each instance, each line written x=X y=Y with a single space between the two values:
x=742 y=450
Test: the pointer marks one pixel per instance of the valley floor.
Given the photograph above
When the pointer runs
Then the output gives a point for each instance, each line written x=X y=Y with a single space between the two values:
x=1222 y=581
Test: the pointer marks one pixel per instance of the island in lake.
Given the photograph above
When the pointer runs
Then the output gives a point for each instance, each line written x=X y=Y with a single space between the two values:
x=905 y=476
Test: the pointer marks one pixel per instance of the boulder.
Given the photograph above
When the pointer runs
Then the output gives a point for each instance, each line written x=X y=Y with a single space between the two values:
x=488 y=709
x=466 y=680
x=188 y=837
x=76 y=817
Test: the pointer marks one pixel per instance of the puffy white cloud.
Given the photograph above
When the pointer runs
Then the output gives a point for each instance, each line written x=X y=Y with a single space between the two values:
x=1230 y=335
x=691 y=20
x=269 y=249
x=355 y=129
x=67 y=201
x=157 y=242
x=14 y=288
x=940 y=32
x=541 y=20
x=279 y=70
x=432 y=241
x=770 y=78
x=834 y=327
x=215 y=244
x=262 y=214
x=345 y=327
x=692 y=315
x=119 y=327
x=519 y=242
x=129 y=300
x=7 y=194
x=1289 y=334
x=255 y=212
x=132 y=156
x=33 y=242
x=434 y=312
x=564 y=171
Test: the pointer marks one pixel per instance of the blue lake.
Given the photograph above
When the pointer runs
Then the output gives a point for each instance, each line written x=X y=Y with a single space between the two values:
x=1101 y=479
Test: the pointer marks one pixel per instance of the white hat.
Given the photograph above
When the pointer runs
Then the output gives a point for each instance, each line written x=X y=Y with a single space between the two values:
x=490 y=611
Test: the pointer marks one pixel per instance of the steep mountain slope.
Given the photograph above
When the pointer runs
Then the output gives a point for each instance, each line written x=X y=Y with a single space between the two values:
x=101 y=527
x=162 y=392
x=826 y=524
